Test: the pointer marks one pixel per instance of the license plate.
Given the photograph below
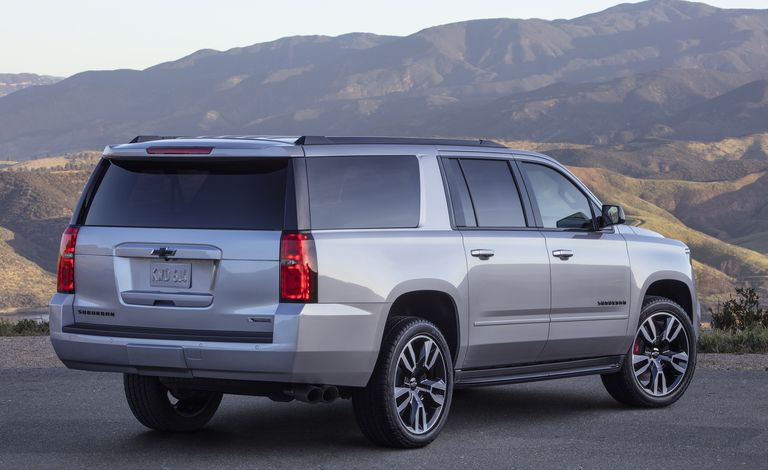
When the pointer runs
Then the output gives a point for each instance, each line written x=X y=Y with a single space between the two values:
x=178 y=275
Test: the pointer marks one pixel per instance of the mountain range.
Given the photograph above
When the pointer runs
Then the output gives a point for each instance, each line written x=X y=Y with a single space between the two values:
x=660 y=106
x=10 y=82
x=661 y=68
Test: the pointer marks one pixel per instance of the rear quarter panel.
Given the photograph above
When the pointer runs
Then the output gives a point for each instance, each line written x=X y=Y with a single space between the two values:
x=371 y=268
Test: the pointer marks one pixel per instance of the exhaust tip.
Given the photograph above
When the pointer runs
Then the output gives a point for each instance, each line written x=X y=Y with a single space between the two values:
x=314 y=394
x=330 y=394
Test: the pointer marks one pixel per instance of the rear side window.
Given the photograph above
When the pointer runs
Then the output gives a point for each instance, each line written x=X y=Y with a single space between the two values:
x=247 y=195
x=494 y=193
x=363 y=192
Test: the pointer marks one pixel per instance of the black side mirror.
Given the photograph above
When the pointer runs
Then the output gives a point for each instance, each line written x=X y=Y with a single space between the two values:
x=612 y=215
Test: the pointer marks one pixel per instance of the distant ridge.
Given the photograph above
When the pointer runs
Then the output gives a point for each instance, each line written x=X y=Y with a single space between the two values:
x=626 y=73
x=10 y=82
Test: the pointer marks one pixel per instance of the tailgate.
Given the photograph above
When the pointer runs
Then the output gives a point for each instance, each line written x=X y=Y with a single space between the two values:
x=182 y=249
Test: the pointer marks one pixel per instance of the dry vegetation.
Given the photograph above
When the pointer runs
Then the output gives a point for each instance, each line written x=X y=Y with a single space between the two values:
x=22 y=282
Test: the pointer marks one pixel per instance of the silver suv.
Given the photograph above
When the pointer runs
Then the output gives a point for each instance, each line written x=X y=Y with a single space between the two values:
x=389 y=271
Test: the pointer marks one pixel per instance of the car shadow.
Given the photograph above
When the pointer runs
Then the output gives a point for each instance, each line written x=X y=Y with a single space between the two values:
x=268 y=427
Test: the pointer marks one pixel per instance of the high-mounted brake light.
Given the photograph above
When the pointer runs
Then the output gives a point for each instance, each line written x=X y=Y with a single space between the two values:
x=66 y=272
x=179 y=150
x=298 y=268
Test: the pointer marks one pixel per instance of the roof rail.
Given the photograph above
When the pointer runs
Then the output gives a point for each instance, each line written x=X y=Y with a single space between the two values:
x=148 y=138
x=322 y=140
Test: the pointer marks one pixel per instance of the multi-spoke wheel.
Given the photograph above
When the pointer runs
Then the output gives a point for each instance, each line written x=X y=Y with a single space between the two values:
x=157 y=407
x=660 y=354
x=408 y=396
x=420 y=381
x=660 y=364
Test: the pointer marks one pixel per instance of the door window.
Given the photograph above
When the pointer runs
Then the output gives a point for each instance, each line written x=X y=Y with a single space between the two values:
x=561 y=203
x=493 y=193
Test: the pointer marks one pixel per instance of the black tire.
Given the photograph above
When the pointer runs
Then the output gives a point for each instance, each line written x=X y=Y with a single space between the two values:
x=375 y=406
x=625 y=387
x=157 y=408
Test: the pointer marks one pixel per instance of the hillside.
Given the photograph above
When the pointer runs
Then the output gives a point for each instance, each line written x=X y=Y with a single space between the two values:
x=24 y=283
x=10 y=82
x=619 y=110
x=743 y=110
x=37 y=203
x=616 y=76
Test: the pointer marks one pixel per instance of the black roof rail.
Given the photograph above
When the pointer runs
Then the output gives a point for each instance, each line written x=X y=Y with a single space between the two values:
x=322 y=140
x=148 y=138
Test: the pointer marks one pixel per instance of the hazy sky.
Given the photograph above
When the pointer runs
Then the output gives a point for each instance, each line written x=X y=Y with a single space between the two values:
x=63 y=37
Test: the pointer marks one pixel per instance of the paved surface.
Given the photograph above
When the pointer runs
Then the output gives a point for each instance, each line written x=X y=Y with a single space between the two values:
x=68 y=419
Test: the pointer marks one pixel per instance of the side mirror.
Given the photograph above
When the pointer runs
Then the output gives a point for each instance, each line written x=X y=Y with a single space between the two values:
x=612 y=215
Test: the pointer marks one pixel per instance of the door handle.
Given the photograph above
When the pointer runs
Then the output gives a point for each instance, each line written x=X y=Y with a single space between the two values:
x=482 y=253
x=562 y=254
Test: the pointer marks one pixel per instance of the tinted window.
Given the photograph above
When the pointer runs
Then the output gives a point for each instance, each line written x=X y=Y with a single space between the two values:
x=211 y=195
x=463 y=213
x=363 y=192
x=494 y=193
x=561 y=203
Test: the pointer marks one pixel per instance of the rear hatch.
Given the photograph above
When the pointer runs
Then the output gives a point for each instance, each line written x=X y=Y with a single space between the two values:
x=182 y=248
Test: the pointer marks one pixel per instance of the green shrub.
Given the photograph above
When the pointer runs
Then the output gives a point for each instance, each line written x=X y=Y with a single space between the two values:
x=740 y=313
x=24 y=328
x=751 y=340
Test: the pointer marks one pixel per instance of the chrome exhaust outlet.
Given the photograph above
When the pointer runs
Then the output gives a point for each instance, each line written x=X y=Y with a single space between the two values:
x=306 y=393
x=330 y=394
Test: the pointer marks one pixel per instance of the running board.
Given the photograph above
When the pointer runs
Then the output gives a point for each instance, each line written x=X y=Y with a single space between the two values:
x=535 y=372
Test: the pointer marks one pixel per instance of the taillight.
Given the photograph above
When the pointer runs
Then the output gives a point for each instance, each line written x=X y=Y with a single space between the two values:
x=66 y=273
x=298 y=268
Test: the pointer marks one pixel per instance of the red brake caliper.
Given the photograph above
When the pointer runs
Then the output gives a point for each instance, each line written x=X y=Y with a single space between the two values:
x=636 y=347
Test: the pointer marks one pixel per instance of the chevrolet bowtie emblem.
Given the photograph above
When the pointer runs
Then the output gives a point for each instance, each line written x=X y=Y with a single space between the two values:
x=163 y=252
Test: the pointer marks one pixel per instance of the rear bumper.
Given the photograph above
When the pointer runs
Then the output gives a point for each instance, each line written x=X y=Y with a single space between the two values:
x=330 y=344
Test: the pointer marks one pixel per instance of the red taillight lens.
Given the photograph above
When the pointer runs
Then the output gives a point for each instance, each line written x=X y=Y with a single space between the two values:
x=298 y=268
x=66 y=273
x=179 y=150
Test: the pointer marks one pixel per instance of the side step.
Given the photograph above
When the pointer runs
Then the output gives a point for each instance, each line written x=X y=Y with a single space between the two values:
x=535 y=372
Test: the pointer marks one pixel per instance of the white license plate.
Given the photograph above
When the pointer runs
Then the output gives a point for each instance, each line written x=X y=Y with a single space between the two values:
x=177 y=275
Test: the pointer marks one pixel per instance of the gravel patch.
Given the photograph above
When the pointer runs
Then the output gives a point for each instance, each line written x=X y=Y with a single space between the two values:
x=27 y=352
x=31 y=352
x=714 y=361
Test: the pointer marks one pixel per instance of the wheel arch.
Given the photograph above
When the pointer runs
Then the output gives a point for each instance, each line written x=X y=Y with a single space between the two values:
x=675 y=289
x=437 y=306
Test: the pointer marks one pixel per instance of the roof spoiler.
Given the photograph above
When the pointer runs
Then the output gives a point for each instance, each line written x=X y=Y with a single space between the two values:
x=149 y=138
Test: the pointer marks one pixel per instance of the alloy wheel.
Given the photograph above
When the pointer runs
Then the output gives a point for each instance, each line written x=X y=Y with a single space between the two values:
x=420 y=384
x=660 y=354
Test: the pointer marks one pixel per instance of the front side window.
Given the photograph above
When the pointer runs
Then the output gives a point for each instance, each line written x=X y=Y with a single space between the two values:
x=561 y=203
x=364 y=192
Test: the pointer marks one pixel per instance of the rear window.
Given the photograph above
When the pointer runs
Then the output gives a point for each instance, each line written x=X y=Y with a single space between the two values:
x=247 y=195
x=363 y=192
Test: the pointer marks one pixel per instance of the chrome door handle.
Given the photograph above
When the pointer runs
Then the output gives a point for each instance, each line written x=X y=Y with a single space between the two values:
x=482 y=253
x=562 y=254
